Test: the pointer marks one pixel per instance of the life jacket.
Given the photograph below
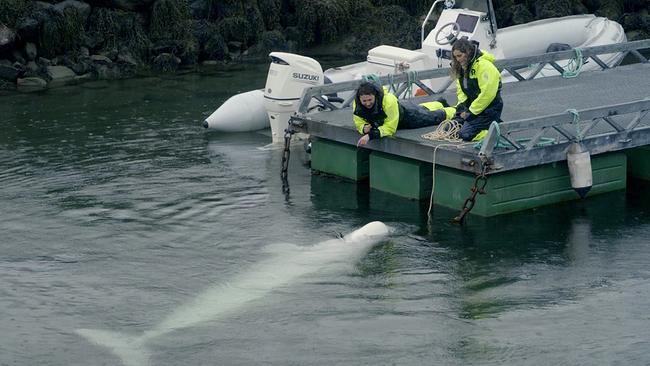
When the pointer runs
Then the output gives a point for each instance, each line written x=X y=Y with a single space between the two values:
x=468 y=90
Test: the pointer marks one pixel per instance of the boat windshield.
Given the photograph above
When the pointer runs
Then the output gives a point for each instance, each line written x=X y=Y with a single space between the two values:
x=484 y=6
x=477 y=5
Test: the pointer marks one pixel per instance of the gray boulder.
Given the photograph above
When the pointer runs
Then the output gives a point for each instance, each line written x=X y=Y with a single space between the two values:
x=31 y=51
x=59 y=75
x=101 y=60
x=8 y=72
x=32 y=69
x=82 y=66
x=31 y=84
x=28 y=29
x=44 y=61
x=107 y=72
x=125 y=58
x=166 y=62
x=7 y=38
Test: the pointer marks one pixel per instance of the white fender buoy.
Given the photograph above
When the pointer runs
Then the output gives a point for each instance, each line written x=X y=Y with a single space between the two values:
x=579 y=162
x=240 y=113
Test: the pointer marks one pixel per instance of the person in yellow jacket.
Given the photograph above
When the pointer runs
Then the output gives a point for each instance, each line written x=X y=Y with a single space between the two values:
x=478 y=87
x=378 y=113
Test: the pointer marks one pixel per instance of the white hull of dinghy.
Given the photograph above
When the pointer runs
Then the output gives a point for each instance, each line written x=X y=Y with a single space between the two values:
x=576 y=31
x=240 y=113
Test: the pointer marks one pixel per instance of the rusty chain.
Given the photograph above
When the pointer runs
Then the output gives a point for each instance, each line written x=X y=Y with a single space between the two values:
x=478 y=188
x=286 y=154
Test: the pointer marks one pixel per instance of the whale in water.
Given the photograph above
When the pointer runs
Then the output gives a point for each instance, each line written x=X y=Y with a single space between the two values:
x=222 y=299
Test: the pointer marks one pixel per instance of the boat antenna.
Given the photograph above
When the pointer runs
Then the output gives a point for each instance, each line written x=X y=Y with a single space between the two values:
x=493 y=25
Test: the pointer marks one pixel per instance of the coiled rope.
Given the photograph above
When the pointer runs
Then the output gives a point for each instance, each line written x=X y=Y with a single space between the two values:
x=574 y=66
x=576 y=122
x=412 y=77
x=446 y=131
x=375 y=78
x=371 y=77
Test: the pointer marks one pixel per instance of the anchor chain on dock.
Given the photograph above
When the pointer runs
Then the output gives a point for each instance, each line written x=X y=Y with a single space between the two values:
x=293 y=126
x=286 y=154
x=479 y=187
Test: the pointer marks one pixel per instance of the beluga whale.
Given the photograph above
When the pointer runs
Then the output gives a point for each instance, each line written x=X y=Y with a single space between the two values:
x=226 y=298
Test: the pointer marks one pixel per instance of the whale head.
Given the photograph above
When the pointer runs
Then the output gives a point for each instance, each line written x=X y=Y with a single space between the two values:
x=372 y=231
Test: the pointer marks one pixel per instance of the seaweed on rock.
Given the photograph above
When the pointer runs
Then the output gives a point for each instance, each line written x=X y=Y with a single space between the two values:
x=12 y=10
x=171 y=29
x=62 y=32
x=390 y=25
x=119 y=30
x=322 y=21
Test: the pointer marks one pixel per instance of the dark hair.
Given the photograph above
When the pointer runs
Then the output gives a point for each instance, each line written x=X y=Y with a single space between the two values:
x=366 y=88
x=465 y=46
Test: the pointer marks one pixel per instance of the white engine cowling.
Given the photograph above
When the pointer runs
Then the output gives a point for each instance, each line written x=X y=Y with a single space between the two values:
x=288 y=76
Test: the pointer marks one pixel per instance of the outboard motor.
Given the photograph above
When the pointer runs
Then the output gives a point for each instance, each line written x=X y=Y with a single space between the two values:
x=288 y=76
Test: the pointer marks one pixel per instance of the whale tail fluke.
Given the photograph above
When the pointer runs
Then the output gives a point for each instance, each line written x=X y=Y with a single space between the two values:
x=129 y=349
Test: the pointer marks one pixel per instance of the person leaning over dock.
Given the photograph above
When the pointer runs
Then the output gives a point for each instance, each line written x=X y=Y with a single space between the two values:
x=478 y=87
x=377 y=113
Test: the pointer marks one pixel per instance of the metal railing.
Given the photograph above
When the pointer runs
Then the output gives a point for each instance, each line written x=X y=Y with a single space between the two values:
x=608 y=128
x=509 y=65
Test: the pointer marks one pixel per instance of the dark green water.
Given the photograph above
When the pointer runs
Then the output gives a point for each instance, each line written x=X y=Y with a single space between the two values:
x=118 y=209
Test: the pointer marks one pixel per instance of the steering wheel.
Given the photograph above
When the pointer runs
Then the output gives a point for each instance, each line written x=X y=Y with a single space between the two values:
x=447 y=33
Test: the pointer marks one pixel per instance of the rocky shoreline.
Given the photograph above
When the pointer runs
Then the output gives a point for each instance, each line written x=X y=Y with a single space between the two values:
x=47 y=44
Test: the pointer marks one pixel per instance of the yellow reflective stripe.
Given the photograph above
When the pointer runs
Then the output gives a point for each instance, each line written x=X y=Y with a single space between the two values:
x=488 y=82
x=450 y=112
x=391 y=108
x=435 y=105
x=432 y=106
x=460 y=95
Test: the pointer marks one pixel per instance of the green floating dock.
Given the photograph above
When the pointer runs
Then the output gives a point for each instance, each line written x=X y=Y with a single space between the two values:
x=400 y=176
x=529 y=187
x=338 y=159
x=638 y=162
x=510 y=191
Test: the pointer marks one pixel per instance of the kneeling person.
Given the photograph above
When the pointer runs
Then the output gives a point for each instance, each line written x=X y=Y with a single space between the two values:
x=378 y=113
x=478 y=87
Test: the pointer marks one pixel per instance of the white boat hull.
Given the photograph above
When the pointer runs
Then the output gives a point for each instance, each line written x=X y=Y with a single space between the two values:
x=240 y=113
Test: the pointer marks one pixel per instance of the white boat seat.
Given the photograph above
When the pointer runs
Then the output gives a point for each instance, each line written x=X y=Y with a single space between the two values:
x=389 y=55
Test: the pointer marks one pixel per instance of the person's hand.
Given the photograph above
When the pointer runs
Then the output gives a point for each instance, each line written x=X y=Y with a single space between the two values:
x=363 y=140
x=366 y=128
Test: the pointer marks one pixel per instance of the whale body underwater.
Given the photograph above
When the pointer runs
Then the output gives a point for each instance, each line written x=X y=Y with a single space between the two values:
x=224 y=298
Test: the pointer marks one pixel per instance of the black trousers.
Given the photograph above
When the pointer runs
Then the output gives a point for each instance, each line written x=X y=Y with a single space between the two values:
x=472 y=127
x=475 y=124
x=413 y=115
